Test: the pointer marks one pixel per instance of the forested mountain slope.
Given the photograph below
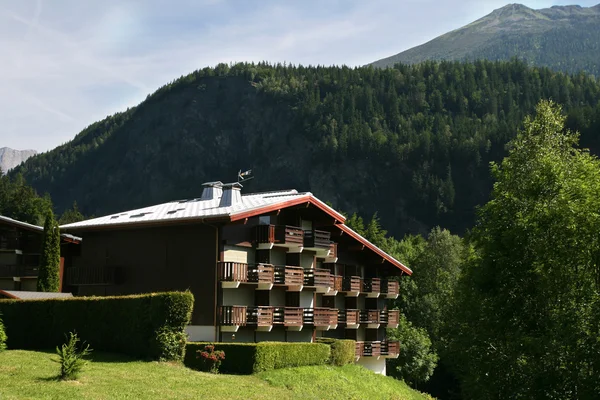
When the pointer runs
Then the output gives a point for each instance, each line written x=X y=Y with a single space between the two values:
x=564 y=38
x=412 y=143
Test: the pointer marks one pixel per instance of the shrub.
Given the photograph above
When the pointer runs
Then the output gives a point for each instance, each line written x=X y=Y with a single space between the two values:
x=248 y=358
x=71 y=357
x=275 y=355
x=148 y=326
x=2 y=335
x=211 y=358
x=342 y=351
x=48 y=278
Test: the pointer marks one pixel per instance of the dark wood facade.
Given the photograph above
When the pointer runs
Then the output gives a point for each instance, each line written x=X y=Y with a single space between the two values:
x=120 y=262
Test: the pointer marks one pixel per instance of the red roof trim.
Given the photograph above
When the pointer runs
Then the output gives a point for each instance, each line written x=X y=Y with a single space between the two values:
x=290 y=203
x=10 y=296
x=375 y=249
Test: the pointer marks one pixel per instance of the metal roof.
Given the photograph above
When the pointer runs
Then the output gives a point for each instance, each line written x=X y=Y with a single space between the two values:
x=23 y=295
x=198 y=209
x=35 y=228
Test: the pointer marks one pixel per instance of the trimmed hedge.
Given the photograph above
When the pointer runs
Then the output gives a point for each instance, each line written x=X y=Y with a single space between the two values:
x=342 y=350
x=2 y=335
x=248 y=358
x=148 y=326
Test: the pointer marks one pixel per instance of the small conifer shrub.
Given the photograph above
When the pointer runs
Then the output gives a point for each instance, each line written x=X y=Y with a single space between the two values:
x=71 y=357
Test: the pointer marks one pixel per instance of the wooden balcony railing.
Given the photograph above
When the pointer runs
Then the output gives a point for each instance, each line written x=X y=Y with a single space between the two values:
x=241 y=272
x=352 y=284
x=289 y=275
x=9 y=271
x=317 y=277
x=391 y=288
x=333 y=251
x=317 y=239
x=280 y=234
x=245 y=316
x=289 y=316
x=265 y=234
x=322 y=316
x=372 y=285
x=261 y=316
x=335 y=282
x=390 y=348
x=390 y=317
x=233 y=315
x=349 y=317
x=368 y=349
x=9 y=243
x=84 y=276
x=370 y=316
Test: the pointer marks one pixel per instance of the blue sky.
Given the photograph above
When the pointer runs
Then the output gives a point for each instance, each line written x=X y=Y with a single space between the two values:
x=69 y=63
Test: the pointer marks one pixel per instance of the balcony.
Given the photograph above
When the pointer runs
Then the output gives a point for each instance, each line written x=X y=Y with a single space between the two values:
x=372 y=318
x=319 y=241
x=90 y=276
x=18 y=271
x=290 y=317
x=268 y=236
x=232 y=317
x=322 y=318
x=318 y=278
x=349 y=317
x=391 y=318
x=391 y=289
x=335 y=285
x=232 y=274
x=352 y=285
x=9 y=243
x=372 y=287
x=377 y=349
x=292 y=277
x=332 y=256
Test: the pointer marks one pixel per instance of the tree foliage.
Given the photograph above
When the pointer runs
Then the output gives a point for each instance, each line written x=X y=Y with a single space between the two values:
x=411 y=143
x=48 y=278
x=417 y=358
x=527 y=309
x=20 y=201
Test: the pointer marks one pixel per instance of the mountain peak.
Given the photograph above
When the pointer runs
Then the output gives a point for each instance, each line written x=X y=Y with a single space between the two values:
x=544 y=37
x=10 y=158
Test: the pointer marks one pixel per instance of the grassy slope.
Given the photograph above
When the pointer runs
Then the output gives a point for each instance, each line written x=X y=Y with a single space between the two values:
x=28 y=374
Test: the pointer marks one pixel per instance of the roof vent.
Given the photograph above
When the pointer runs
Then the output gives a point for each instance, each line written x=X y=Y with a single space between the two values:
x=232 y=195
x=212 y=190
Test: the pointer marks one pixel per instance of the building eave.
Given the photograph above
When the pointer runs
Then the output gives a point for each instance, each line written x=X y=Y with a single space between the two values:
x=349 y=231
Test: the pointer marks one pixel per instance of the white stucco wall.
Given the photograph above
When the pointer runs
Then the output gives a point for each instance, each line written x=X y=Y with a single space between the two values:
x=304 y=335
x=373 y=364
x=278 y=256
x=307 y=259
x=242 y=296
x=200 y=333
x=306 y=299
x=243 y=335
x=277 y=297
x=276 y=335
x=238 y=254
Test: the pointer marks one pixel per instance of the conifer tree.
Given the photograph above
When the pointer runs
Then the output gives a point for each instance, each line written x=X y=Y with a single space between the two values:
x=48 y=278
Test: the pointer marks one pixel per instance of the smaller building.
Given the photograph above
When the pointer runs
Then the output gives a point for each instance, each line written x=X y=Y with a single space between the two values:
x=23 y=295
x=20 y=252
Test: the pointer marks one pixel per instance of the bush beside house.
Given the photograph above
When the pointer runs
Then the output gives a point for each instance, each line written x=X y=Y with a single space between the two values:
x=148 y=326
x=249 y=358
x=342 y=350
x=2 y=335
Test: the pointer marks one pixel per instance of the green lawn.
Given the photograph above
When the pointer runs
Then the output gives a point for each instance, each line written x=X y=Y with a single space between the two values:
x=29 y=374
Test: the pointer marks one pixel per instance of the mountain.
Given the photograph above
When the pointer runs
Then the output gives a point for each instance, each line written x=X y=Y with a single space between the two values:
x=564 y=38
x=10 y=158
x=412 y=143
